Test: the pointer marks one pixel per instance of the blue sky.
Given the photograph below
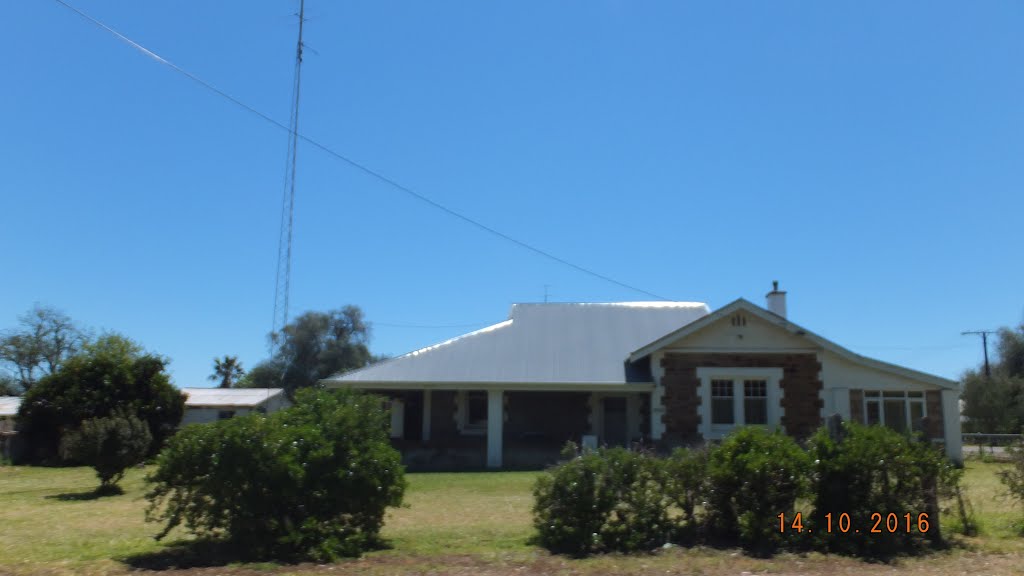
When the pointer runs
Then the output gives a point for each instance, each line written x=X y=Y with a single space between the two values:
x=865 y=154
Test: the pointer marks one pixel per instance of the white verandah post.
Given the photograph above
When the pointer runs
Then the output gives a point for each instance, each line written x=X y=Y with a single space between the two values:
x=495 y=426
x=951 y=425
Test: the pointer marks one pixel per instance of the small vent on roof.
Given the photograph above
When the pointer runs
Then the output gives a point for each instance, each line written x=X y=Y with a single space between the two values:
x=739 y=320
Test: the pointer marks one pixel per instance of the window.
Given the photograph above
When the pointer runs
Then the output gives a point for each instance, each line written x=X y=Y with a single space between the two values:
x=476 y=415
x=755 y=401
x=873 y=414
x=733 y=397
x=225 y=414
x=898 y=410
x=916 y=408
x=471 y=412
x=722 y=411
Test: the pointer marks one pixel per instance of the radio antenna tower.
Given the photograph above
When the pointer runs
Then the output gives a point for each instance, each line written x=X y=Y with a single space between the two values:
x=282 y=285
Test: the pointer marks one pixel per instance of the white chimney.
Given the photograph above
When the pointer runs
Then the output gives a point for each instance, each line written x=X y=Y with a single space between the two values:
x=776 y=300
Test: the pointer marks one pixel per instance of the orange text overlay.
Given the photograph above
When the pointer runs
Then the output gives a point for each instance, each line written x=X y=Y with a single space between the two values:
x=843 y=523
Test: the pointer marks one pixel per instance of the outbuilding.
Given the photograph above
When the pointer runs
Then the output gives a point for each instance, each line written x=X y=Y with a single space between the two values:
x=8 y=412
x=212 y=404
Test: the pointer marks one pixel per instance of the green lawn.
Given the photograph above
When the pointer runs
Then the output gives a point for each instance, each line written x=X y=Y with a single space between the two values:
x=471 y=523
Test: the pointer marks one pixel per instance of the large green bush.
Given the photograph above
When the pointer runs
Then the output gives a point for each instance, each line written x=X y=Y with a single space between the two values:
x=110 y=445
x=752 y=477
x=734 y=492
x=312 y=481
x=868 y=474
x=600 y=501
x=110 y=375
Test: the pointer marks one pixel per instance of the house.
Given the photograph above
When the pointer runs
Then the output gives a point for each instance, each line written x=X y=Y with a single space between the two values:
x=212 y=404
x=8 y=412
x=671 y=373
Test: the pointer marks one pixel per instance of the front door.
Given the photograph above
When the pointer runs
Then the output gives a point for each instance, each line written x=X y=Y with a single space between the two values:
x=615 y=421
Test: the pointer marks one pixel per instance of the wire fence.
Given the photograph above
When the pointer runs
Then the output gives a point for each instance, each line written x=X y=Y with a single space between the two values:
x=978 y=439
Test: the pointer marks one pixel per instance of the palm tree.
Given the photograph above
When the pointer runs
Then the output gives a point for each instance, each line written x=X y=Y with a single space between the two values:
x=227 y=371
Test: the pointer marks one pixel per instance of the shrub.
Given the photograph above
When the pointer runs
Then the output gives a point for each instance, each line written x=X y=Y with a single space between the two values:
x=877 y=471
x=600 y=501
x=685 y=488
x=312 y=481
x=111 y=375
x=110 y=445
x=753 y=476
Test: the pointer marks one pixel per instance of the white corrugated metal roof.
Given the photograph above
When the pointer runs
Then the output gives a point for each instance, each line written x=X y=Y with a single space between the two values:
x=541 y=343
x=200 y=397
x=9 y=405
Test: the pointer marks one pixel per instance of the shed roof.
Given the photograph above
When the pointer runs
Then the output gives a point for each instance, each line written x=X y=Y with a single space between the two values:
x=551 y=343
x=240 y=397
x=9 y=405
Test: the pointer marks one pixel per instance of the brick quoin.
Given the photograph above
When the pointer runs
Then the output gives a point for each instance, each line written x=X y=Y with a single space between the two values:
x=801 y=389
x=933 y=407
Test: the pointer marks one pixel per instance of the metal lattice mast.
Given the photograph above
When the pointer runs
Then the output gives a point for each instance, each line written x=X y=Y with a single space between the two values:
x=282 y=285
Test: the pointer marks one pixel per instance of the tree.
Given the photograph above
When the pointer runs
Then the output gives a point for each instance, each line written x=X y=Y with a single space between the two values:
x=227 y=371
x=266 y=374
x=1010 y=352
x=45 y=339
x=9 y=386
x=110 y=374
x=110 y=445
x=996 y=405
x=312 y=347
x=993 y=405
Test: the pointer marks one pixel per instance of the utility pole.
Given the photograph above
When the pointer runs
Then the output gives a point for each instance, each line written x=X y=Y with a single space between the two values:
x=984 y=345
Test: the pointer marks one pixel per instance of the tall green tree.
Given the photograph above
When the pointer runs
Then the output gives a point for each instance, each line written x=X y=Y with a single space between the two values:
x=110 y=375
x=996 y=405
x=227 y=371
x=44 y=339
x=312 y=347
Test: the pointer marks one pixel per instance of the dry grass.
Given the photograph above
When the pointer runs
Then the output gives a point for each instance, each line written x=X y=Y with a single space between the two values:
x=453 y=524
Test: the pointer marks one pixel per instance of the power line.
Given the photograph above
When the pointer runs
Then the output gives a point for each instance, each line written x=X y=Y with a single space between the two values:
x=366 y=170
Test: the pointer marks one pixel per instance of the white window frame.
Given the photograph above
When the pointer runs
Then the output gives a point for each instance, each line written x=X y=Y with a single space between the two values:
x=879 y=397
x=771 y=376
